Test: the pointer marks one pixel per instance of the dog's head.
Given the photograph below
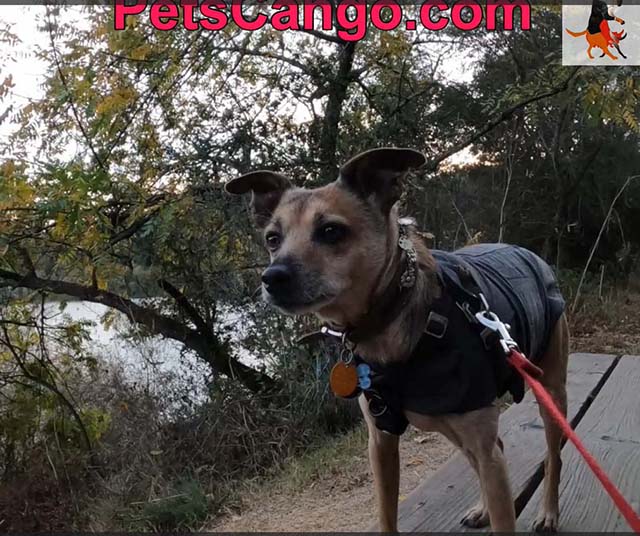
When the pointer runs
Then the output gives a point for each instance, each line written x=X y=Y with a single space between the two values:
x=328 y=245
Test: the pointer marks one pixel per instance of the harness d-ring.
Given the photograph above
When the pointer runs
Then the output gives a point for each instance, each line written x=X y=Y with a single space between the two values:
x=346 y=356
x=376 y=398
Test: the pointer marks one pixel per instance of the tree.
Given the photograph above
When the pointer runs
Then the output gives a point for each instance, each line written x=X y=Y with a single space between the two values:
x=139 y=129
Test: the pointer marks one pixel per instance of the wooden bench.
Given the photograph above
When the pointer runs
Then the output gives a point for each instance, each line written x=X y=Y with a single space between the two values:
x=604 y=407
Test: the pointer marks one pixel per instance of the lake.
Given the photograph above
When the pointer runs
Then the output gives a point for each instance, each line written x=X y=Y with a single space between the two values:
x=144 y=360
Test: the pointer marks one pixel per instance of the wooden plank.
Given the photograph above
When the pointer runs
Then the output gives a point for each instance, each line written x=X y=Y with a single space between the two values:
x=440 y=501
x=611 y=431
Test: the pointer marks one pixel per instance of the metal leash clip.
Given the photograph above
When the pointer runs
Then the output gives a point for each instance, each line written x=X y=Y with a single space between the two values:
x=491 y=321
x=466 y=308
x=342 y=335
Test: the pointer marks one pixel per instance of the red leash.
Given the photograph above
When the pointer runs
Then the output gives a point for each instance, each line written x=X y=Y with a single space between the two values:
x=525 y=368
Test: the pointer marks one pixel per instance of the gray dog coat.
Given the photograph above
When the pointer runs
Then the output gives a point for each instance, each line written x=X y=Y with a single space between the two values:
x=455 y=370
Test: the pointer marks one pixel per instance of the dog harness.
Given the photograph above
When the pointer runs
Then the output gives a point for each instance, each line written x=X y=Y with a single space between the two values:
x=457 y=365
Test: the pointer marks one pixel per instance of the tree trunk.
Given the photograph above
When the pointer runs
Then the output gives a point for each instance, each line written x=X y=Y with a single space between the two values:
x=337 y=93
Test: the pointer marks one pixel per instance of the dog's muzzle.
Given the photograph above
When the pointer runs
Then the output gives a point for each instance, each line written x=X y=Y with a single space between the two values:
x=292 y=289
x=278 y=280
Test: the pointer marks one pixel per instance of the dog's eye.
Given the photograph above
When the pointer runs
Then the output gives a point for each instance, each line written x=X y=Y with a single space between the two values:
x=273 y=240
x=331 y=233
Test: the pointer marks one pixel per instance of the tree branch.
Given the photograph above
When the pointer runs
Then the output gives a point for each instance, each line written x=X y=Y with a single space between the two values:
x=54 y=389
x=597 y=242
x=133 y=228
x=337 y=93
x=432 y=165
x=213 y=351
x=266 y=54
x=74 y=110
x=326 y=37
x=186 y=306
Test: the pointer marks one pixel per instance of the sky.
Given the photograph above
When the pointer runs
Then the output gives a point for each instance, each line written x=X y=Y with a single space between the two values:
x=26 y=70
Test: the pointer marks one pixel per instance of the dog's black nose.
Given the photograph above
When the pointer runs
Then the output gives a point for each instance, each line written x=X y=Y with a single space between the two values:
x=277 y=276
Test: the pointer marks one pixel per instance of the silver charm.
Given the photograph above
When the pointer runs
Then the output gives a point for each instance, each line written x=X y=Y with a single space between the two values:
x=408 y=278
x=405 y=244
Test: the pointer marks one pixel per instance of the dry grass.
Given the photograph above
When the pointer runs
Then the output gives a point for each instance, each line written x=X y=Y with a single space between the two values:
x=330 y=488
x=610 y=324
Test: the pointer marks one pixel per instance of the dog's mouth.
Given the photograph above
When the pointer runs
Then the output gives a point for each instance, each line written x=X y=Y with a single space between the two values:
x=297 y=305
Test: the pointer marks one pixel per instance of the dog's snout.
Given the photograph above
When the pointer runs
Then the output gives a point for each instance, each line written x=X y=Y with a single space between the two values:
x=277 y=276
x=291 y=287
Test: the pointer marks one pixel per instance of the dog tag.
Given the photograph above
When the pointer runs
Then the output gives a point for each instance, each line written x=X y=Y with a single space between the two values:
x=344 y=380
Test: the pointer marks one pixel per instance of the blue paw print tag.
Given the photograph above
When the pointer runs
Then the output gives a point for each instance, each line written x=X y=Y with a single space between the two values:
x=364 y=376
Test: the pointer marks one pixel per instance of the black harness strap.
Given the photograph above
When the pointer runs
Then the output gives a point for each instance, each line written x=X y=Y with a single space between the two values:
x=450 y=323
x=385 y=396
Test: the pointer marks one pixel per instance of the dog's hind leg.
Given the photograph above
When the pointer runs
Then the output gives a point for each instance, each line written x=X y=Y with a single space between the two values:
x=608 y=53
x=554 y=364
x=384 y=458
x=620 y=51
x=589 y=52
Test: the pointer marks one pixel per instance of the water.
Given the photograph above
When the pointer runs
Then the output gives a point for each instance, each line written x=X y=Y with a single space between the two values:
x=145 y=361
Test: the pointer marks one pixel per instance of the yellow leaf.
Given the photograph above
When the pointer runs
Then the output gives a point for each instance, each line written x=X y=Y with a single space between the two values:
x=141 y=52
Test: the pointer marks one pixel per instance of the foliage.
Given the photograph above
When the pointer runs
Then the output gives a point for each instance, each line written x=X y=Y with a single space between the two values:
x=111 y=192
x=185 y=508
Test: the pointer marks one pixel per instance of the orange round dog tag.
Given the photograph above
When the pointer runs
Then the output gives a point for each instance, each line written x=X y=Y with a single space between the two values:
x=343 y=380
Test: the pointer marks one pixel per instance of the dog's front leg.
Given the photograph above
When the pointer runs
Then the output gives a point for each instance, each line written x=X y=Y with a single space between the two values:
x=476 y=433
x=384 y=458
x=492 y=469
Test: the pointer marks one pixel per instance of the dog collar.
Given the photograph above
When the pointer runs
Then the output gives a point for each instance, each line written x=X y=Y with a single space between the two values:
x=393 y=300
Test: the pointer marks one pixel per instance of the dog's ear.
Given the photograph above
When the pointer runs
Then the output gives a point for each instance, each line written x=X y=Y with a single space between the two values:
x=266 y=189
x=376 y=174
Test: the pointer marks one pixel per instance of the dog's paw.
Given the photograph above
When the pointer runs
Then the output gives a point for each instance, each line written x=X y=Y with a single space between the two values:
x=546 y=522
x=477 y=517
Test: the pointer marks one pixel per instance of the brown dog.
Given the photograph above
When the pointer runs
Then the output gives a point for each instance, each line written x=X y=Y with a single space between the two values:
x=335 y=252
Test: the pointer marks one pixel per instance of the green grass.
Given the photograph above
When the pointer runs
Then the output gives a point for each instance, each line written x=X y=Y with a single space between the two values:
x=330 y=457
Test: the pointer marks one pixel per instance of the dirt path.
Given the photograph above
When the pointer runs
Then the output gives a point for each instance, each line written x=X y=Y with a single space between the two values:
x=341 y=501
